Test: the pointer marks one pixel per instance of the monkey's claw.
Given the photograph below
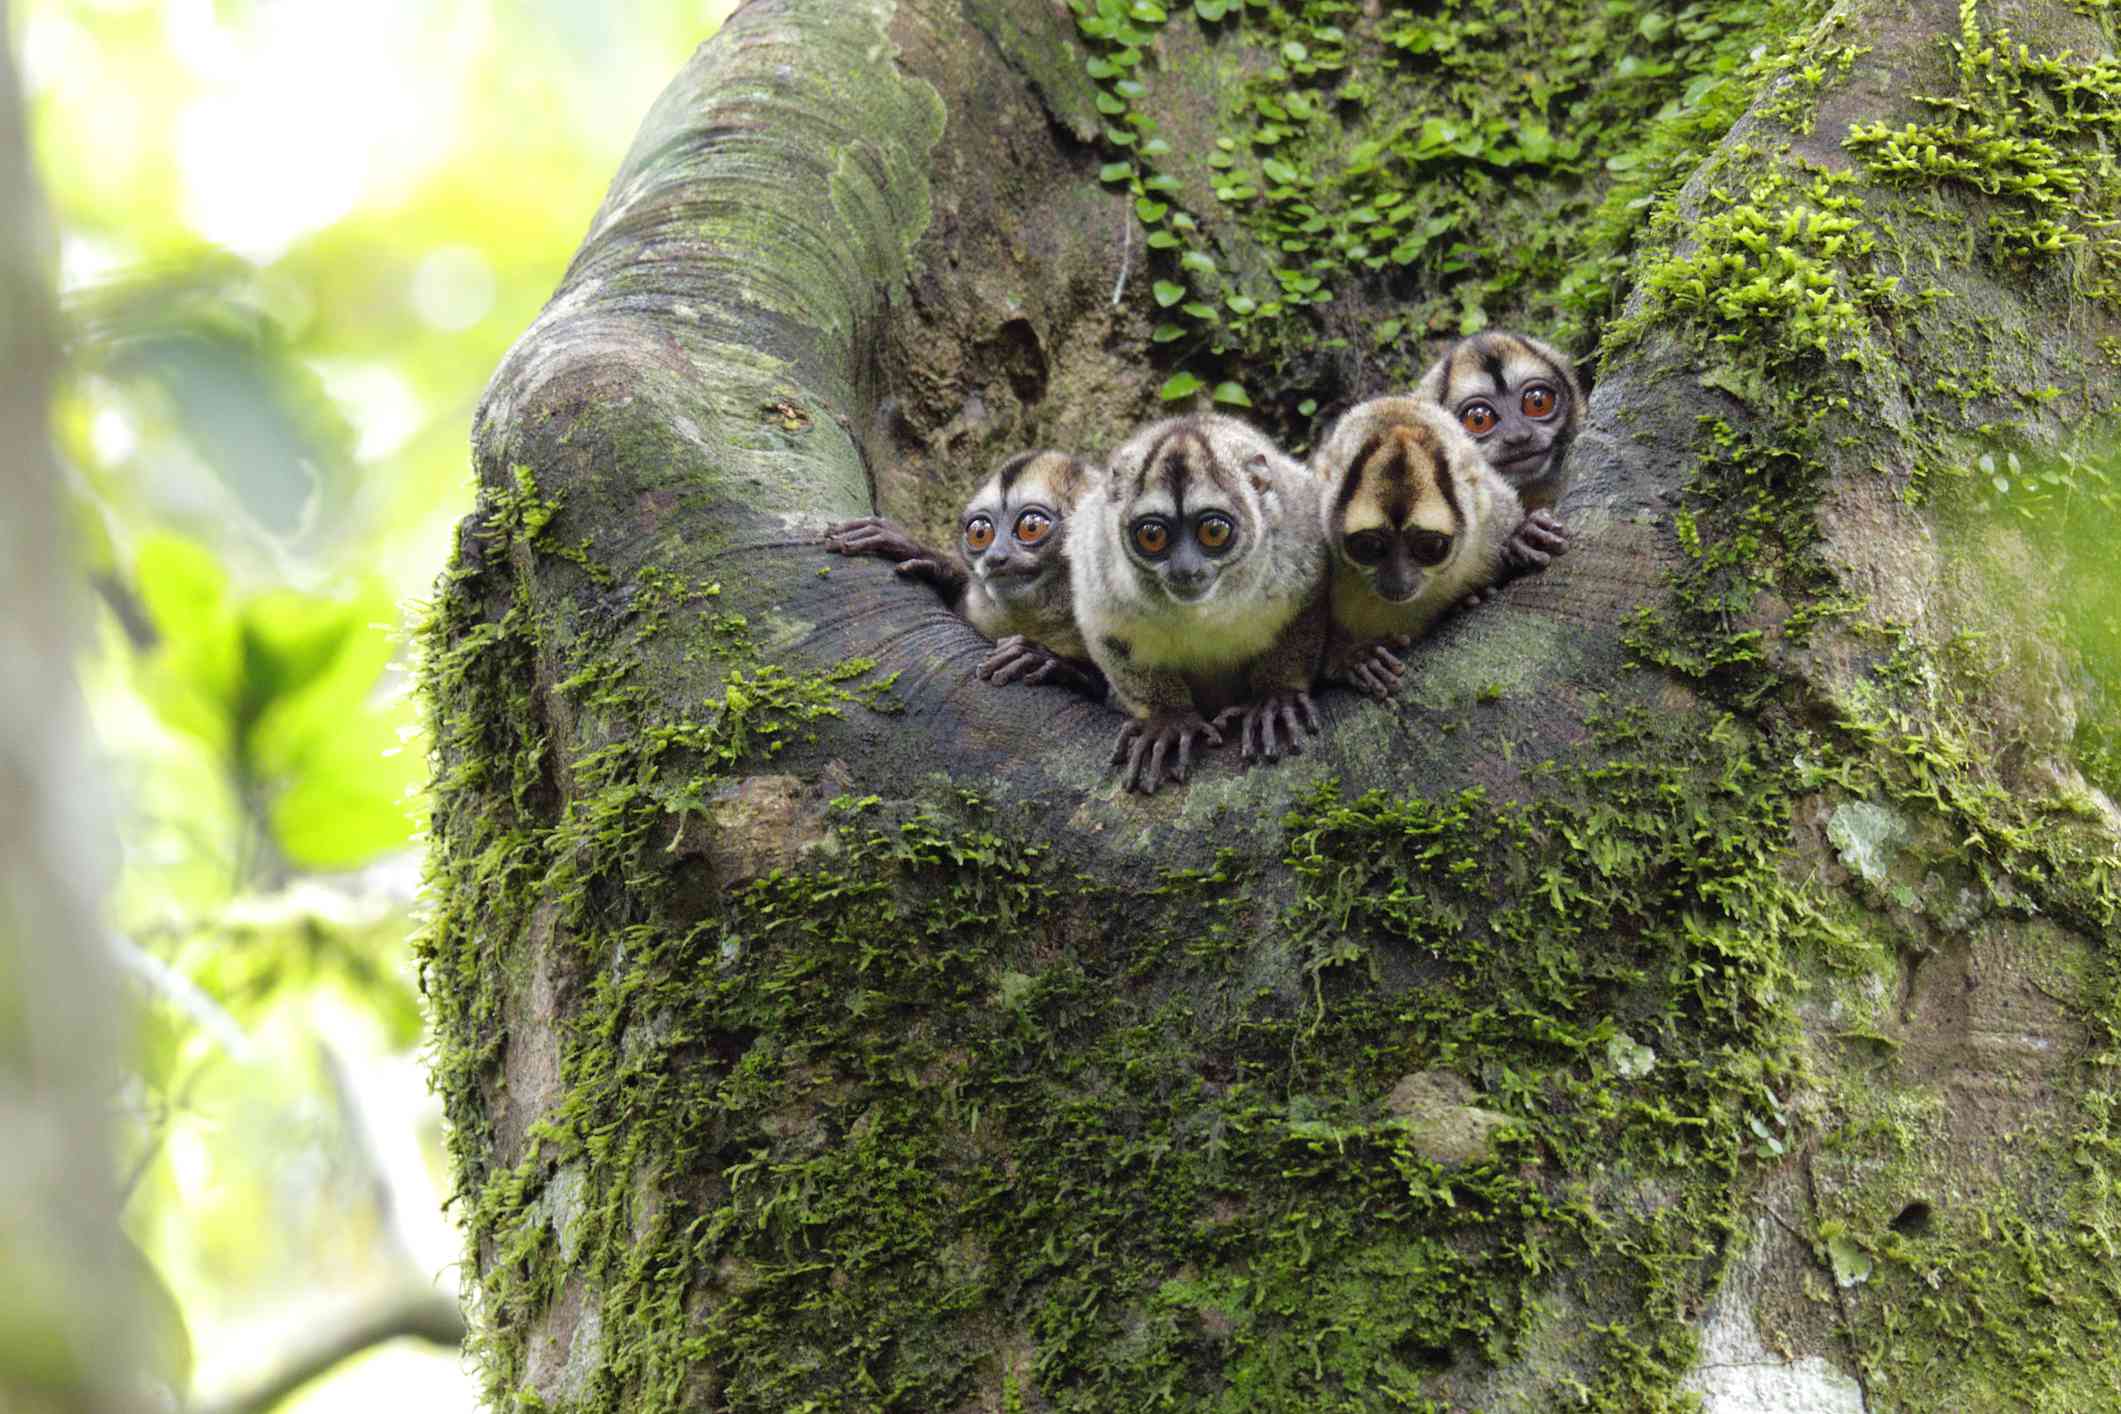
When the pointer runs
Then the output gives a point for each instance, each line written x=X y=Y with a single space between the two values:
x=1539 y=539
x=1018 y=659
x=924 y=568
x=1015 y=659
x=1376 y=670
x=1268 y=727
x=873 y=535
x=1151 y=748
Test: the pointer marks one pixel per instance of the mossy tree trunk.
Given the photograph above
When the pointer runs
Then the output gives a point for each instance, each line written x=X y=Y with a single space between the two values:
x=1701 y=983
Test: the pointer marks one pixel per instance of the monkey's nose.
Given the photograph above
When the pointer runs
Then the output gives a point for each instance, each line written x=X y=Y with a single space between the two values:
x=1189 y=584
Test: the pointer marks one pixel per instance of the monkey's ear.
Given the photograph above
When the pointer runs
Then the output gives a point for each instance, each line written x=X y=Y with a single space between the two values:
x=1259 y=469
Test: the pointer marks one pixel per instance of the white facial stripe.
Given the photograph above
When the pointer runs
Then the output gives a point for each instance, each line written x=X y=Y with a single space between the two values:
x=1520 y=365
x=1364 y=515
x=1527 y=368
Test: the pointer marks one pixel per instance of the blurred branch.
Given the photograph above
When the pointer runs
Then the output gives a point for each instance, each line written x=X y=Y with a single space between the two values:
x=184 y=994
x=126 y=608
x=423 y=1315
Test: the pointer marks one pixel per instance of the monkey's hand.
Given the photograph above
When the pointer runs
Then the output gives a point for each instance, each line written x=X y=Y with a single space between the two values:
x=1372 y=668
x=1258 y=723
x=873 y=535
x=1151 y=748
x=1017 y=659
x=1540 y=538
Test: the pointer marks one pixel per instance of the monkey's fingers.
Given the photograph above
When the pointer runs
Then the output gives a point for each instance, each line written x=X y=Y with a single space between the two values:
x=1525 y=559
x=859 y=537
x=1171 y=753
x=1161 y=746
x=1138 y=776
x=1136 y=759
x=846 y=528
x=1291 y=712
x=864 y=543
x=1186 y=738
x=1127 y=734
x=1311 y=722
x=1263 y=723
x=1011 y=659
x=919 y=567
x=1365 y=677
x=1539 y=538
x=1545 y=529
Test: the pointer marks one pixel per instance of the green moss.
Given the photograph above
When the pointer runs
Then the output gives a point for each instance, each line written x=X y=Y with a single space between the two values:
x=922 y=1116
x=1408 y=154
x=2033 y=132
x=944 y=1095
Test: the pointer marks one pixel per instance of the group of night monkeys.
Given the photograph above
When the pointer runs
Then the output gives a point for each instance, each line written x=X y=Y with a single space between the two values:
x=1203 y=580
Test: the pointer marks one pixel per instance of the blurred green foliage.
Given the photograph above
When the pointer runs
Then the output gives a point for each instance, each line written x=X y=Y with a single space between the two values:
x=295 y=239
x=2050 y=514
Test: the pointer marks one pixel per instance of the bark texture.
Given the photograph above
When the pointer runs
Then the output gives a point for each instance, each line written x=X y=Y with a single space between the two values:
x=1702 y=983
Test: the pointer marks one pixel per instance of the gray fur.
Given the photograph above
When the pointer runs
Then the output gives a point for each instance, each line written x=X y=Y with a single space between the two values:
x=1531 y=454
x=1205 y=654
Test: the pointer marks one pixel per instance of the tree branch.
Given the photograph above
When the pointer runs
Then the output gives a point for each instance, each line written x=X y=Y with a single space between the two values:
x=423 y=1315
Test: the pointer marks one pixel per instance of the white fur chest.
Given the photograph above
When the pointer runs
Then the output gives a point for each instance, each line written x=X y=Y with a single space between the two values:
x=1210 y=637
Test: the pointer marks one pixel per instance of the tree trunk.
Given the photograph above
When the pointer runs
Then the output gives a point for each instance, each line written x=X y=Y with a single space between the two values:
x=69 y=1321
x=1701 y=983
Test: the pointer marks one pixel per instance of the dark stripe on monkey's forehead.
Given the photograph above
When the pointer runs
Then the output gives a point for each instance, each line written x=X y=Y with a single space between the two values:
x=1064 y=476
x=1005 y=476
x=1071 y=477
x=1176 y=458
x=1391 y=476
x=1392 y=464
x=1494 y=351
x=1351 y=479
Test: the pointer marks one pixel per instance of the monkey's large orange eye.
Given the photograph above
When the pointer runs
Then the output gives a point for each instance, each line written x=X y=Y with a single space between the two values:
x=1478 y=419
x=1214 y=533
x=1428 y=547
x=979 y=534
x=1539 y=402
x=1152 y=537
x=1032 y=527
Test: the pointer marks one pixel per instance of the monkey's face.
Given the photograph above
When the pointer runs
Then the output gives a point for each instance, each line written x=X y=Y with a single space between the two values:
x=1396 y=561
x=1012 y=534
x=1014 y=547
x=1394 y=522
x=1191 y=517
x=1516 y=398
x=1186 y=548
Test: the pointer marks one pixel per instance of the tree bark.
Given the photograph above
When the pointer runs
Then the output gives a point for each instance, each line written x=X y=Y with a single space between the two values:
x=1702 y=984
